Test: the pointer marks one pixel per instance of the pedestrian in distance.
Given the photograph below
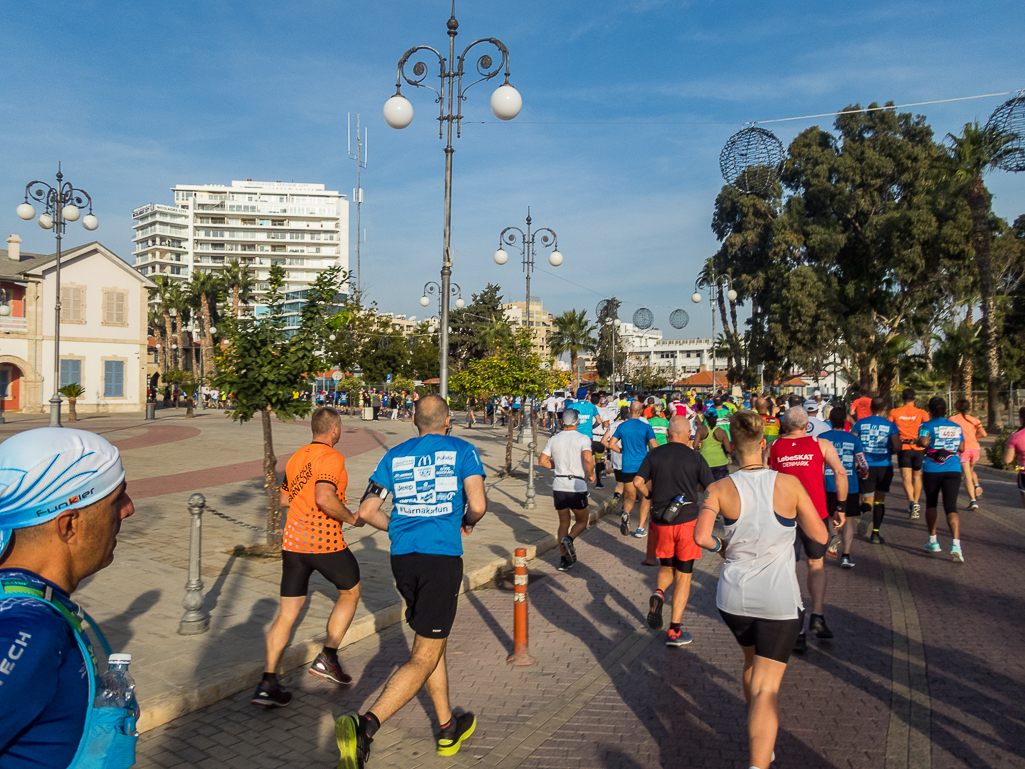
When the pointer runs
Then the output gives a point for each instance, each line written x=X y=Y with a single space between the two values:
x=910 y=456
x=313 y=490
x=1016 y=452
x=437 y=481
x=569 y=455
x=880 y=438
x=632 y=439
x=972 y=430
x=471 y=404
x=674 y=477
x=63 y=498
x=375 y=404
x=942 y=441
x=758 y=595
x=861 y=405
x=713 y=442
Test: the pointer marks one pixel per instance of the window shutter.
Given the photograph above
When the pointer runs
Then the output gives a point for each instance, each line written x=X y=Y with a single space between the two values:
x=108 y=307
x=119 y=307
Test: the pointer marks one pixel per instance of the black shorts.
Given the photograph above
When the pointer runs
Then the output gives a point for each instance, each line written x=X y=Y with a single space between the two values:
x=773 y=639
x=878 y=481
x=597 y=448
x=911 y=458
x=720 y=472
x=622 y=477
x=429 y=584
x=570 y=500
x=812 y=549
x=853 y=508
x=1021 y=482
x=339 y=568
x=948 y=483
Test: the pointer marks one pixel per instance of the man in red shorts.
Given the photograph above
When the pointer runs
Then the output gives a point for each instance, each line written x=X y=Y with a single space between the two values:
x=674 y=477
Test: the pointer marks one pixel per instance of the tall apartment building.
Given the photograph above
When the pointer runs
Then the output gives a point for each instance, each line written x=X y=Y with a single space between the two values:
x=302 y=227
x=541 y=323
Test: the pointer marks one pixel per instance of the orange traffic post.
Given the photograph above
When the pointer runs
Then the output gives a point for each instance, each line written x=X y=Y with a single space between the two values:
x=521 y=651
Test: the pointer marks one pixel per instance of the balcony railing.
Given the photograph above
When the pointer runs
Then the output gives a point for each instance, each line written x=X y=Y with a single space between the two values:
x=11 y=323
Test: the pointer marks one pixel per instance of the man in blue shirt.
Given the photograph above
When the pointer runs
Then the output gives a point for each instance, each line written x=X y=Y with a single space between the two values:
x=633 y=438
x=852 y=457
x=880 y=438
x=942 y=440
x=437 y=483
x=588 y=416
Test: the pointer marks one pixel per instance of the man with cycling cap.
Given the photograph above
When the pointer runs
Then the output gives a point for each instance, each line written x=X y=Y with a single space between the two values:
x=62 y=499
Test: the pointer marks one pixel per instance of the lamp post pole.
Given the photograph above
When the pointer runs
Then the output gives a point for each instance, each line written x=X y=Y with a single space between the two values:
x=712 y=285
x=62 y=204
x=398 y=113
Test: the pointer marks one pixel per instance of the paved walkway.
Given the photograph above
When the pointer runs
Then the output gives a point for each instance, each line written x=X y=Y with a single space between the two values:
x=926 y=671
x=137 y=600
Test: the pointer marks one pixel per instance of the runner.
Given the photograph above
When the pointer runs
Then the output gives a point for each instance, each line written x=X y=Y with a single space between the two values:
x=1016 y=452
x=804 y=457
x=674 y=477
x=588 y=415
x=764 y=407
x=569 y=455
x=820 y=406
x=615 y=456
x=943 y=441
x=908 y=419
x=972 y=430
x=758 y=595
x=880 y=438
x=549 y=423
x=659 y=424
x=633 y=438
x=861 y=406
x=852 y=456
x=471 y=404
x=714 y=444
x=438 y=485
x=314 y=492
x=816 y=426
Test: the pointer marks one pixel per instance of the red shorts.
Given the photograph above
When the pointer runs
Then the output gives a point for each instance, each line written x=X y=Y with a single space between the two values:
x=676 y=541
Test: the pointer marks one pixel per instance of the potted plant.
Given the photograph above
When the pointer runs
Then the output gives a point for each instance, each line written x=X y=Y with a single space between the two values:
x=72 y=392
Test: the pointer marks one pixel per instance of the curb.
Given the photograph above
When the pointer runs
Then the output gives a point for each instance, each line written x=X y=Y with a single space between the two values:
x=992 y=472
x=164 y=708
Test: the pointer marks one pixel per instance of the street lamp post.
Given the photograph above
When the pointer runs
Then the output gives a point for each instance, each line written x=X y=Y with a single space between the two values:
x=398 y=113
x=430 y=288
x=613 y=324
x=528 y=245
x=713 y=284
x=61 y=204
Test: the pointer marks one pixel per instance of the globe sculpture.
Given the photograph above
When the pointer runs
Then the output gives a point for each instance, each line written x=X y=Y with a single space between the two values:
x=751 y=160
x=643 y=318
x=604 y=305
x=678 y=318
x=1009 y=119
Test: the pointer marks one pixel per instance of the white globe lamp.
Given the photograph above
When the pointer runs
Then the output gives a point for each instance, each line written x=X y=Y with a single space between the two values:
x=46 y=221
x=695 y=297
x=26 y=211
x=70 y=212
x=555 y=258
x=424 y=301
x=398 y=112
x=4 y=310
x=90 y=222
x=460 y=304
x=617 y=323
x=501 y=256
x=731 y=295
x=506 y=102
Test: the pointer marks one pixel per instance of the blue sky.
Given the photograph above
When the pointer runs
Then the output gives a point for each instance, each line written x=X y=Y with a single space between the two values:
x=626 y=107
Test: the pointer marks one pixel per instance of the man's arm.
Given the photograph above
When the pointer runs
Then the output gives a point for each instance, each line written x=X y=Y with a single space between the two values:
x=589 y=465
x=1009 y=455
x=652 y=443
x=326 y=495
x=545 y=460
x=710 y=507
x=807 y=514
x=476 y=501
x=924 y=439
x=895 y=441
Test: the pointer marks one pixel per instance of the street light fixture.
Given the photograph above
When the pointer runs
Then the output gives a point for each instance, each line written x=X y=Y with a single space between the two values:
x=453 y=290
x=398 y=113
x=714 y=284
x=61 y=204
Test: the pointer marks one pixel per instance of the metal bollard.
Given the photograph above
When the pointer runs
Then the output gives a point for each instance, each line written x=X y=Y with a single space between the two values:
x=151 y=410
x=521 y=652
x=194 y=620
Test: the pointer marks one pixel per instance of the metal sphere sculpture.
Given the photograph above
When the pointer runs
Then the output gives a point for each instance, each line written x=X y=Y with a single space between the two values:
x=643 y=318
x=751 y=160
x=385 y=342
x=1009 y=120
x=678 y=318
x=605 y=306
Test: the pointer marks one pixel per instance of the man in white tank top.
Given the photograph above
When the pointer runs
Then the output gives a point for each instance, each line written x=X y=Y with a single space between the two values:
x=758 y=595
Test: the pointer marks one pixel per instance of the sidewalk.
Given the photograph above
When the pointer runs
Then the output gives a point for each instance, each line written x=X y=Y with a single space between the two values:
x=137 y=600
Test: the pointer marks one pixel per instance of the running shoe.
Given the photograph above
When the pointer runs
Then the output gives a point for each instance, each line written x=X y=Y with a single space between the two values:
x=817 y=625
x=862 y=527
x=324 y=668
x=571 y=551
x=932 y=547
x=564 y=564
x=270 y=697
x=916 y=511
x=834 y=548
x=353 y=742
x=677 y=638
x=640 y=532
x=877 y=539
x=973 y=505
x=846 y=562
x=598 y=484
x=452 y=736
x=956 y=554
x=655 y=611
x=624 y=524
x=801 y=644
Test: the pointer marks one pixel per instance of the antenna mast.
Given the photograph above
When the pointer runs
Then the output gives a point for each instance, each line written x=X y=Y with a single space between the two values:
x=357 y=194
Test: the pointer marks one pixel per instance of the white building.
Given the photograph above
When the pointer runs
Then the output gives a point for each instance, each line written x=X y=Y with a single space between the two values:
x=302 y=227
x=102 y=329
x=635 y=338
x=678 y=357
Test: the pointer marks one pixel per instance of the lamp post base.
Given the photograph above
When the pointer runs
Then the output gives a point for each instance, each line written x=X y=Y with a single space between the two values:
x=55 y=410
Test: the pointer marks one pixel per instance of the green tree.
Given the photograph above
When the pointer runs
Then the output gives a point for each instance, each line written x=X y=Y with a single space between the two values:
x=478 y=329
x=204 y=290
x=240 y=283
x=187 y=384
x=260 y=367
x=162 y=292
x=425 y=356
x=573 y=333
x=648 y=378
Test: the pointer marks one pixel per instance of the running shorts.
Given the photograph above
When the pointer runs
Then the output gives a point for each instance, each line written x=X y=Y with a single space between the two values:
x=597 y=448
x=911 y=458
x=720 y=472
x=879 y=479
x=339 y=568
x=429 y=584
x=948 y=484
x=1021 y=482
x=676 y=542
x=570 y=500
x=622 y=477
x=773 y=639
x=812 y=549
x=853 y=509
x=969 y=455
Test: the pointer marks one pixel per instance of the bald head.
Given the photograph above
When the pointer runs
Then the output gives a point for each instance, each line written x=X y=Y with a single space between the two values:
x=636 y=408
x=795 y=420
x=678 y=430
x=431 y=415
x=761 y=405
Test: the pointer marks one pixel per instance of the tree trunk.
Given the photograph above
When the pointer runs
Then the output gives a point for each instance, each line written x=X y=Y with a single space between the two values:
x=511 y=421
x=573 y=365
x=72 y=413
x=234 y=301
x=270 y=482
x=168 y=359
x=738 y=356
x=189 y=403
x=208 y=351
x=185 y=350
x=968 y=365
x=726 y=336
x=978 y=204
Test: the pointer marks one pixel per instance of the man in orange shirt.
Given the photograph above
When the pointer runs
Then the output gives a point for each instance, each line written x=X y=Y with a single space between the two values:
x=314 y=491
x=861 y=408
x=908 y=419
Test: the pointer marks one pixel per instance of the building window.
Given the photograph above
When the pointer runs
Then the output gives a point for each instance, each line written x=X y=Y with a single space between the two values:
x=175 y=270
x=114 y=307
x=71 y=372
x=72 y=304
x=113 y=379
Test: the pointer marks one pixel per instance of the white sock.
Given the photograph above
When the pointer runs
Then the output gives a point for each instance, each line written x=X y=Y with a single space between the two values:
x=957 y=543
x=933 y=540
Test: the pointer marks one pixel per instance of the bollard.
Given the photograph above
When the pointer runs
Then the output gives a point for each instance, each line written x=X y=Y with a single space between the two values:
x=194 y=620
x=151 y=409
x=521 y=651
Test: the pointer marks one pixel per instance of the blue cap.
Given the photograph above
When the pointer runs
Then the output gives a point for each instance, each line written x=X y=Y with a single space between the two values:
x=46 y=471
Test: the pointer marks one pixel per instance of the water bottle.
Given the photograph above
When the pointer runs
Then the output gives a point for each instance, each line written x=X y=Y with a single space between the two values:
x=674 y=508
x=116 y=687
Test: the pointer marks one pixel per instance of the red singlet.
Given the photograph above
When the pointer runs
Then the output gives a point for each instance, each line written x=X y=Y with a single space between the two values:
x=802 y=458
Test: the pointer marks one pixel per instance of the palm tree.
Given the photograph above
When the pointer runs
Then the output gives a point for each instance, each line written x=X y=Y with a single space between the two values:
x=239 y=280
x=154 y=321
x=573 y=333
x=204 y=290
x=162 y=293
x=967 y=158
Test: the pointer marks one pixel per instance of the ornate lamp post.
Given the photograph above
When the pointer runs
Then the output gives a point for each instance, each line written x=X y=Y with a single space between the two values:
x=716 y=283
x=613 y=324
x=453 y=289
x=398 y=113
x=61 y=204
